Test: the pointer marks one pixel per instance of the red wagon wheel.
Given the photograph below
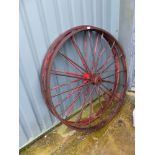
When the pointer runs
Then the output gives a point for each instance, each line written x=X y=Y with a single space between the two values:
x=84 y=77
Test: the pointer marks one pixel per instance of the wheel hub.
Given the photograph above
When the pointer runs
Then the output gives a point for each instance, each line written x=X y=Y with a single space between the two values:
x=95 y=78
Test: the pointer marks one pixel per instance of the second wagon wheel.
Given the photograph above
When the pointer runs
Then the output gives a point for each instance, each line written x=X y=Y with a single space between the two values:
x=84 y=77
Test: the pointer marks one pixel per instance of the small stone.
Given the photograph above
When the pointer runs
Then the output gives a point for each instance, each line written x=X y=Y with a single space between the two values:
x=61 y=146
x=94 y=138
x=78 y=137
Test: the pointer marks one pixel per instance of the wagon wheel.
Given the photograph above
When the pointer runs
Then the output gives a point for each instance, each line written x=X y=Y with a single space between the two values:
x=84 y=78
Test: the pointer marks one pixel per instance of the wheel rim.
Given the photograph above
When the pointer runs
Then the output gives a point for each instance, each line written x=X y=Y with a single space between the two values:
x=98 y=56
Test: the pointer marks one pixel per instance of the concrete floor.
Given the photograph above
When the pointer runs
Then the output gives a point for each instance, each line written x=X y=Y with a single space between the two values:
x=117 y=138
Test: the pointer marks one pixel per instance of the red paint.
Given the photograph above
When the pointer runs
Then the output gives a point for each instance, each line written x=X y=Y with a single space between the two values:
x=88 y=81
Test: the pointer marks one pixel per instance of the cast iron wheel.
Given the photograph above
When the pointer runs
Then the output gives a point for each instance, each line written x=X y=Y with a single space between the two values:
x=84 y=77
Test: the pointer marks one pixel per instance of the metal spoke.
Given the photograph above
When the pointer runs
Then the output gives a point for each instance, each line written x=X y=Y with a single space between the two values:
x=108 y=93
x=94 y=53
x=65 y=84
x=67 y=97
x=79 y=53
x=90 y=43
x=107 y=60
x=71 y=89
x=107 y=81
x=99 y=95
x=112 y=82
x=107 y=67
x=78 y=67
x=84 y=105
x=112 y=74
x=68 y=110
x=67 y=74
x=98 y=57
x=105 y=63
x=91 y=104
x=105 y=91
x=85 y=46
x=112 y=70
